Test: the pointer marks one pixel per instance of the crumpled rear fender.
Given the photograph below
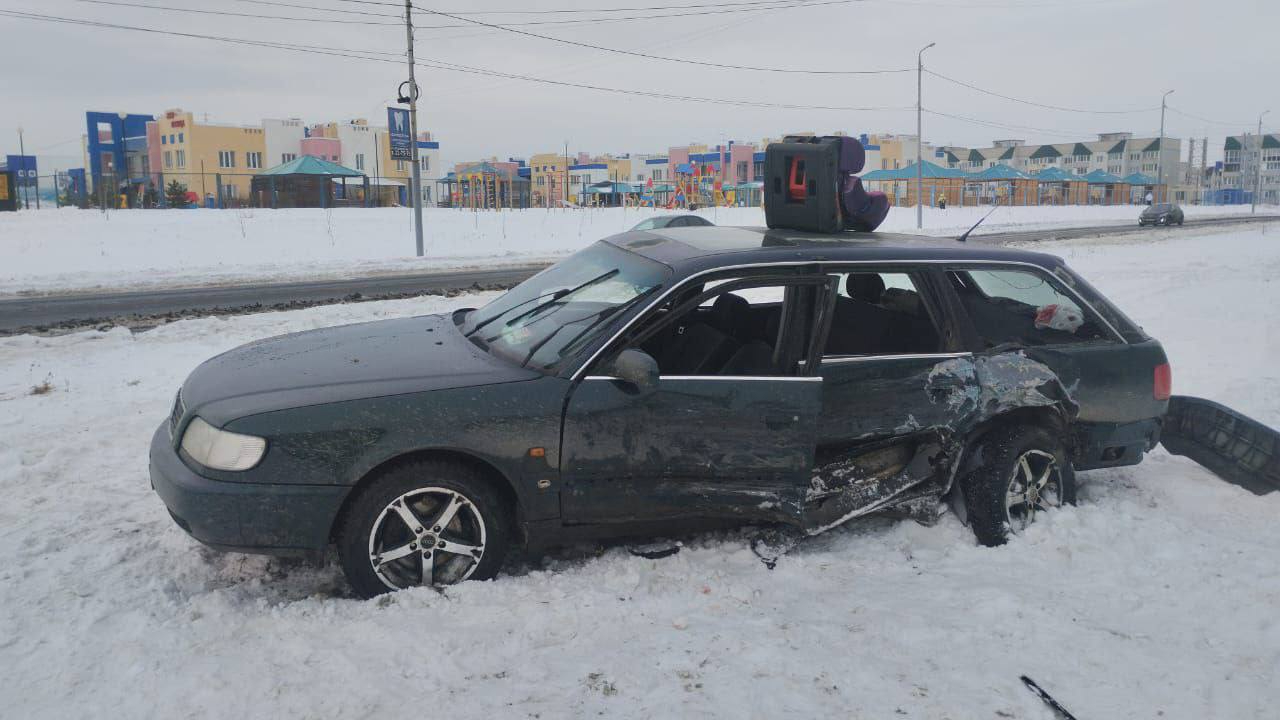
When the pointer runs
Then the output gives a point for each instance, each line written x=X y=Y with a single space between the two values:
x=981 y=392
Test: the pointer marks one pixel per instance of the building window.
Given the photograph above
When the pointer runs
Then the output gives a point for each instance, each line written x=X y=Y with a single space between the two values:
x=228 y=192
x=359 y=161
x=253 y=160
x=182 y=158
x=226 y=158
x=164 y=139
x=425 y=161
x=168 y=160
x=180 y=137
x=287 y=157
x=399 y=166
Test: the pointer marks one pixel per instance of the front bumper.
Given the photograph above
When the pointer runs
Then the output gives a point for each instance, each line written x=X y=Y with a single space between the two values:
x=244 y=517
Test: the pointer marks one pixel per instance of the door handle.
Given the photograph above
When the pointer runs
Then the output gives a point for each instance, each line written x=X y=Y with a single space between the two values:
x=778 y=422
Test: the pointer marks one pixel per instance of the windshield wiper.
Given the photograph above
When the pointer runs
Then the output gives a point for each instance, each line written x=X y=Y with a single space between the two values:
x=617 y=309
x=599 y=316
x=556 y=296
x=534 y=310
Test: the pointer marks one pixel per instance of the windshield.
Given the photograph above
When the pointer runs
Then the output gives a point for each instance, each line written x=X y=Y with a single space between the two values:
x=548 y=317
x=1163 y=207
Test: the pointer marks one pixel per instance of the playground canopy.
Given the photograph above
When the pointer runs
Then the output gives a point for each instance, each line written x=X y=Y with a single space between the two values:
x=304 y=182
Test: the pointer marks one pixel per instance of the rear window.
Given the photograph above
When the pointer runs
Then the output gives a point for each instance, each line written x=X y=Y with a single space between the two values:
x=1024 y=307
x=1127 y=328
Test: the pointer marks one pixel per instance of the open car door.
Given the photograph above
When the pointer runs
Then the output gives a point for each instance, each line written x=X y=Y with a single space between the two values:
x=727 y=426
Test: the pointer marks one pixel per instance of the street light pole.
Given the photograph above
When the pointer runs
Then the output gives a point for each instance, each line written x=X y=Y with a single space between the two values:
x=920 y=135
x=22 y=173
x=1160 y=145
x=1257 y=183
x=416 y=182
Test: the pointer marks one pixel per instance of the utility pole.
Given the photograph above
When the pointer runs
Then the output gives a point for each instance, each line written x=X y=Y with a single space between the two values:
x=920 y=136
x=1257 y=184
x=22 y=166
x=413 y=128
x=1160 y=146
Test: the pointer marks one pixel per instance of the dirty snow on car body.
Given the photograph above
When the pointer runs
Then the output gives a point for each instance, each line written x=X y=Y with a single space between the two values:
x=1156 y=597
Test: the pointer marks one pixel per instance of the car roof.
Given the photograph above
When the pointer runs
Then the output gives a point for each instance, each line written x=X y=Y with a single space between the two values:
x=694 y=249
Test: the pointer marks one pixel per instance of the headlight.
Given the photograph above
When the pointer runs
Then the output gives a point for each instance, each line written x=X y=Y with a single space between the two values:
x=219 y=449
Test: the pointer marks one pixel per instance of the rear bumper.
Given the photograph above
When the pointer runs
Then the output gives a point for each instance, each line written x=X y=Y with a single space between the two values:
x=1103 y=445
x=244 y=517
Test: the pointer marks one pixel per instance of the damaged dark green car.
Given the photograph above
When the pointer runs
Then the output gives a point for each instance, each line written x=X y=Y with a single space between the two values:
x=664 y=380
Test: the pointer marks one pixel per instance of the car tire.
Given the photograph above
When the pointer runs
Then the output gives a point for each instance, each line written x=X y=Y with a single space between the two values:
x=470 y=544
x=1006 y=457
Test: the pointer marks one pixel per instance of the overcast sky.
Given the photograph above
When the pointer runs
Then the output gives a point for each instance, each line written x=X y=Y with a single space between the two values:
x=1219 y=56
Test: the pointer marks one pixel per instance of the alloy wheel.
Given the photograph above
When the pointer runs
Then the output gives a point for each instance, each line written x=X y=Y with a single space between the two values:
x=428 y=536
x=1036 y=486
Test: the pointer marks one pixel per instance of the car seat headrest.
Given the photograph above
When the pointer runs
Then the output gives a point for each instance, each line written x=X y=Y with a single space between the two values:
x=867 y=287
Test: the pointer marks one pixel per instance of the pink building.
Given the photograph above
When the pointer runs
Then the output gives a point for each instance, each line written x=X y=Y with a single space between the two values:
x=325 y=148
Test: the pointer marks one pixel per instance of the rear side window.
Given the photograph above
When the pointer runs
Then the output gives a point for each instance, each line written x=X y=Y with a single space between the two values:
x=879 y=313
x=1023 y=307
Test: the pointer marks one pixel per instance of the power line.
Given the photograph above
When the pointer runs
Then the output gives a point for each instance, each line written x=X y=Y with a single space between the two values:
x=781 y=4
x=229 y=13
x=683 y=61
x=1207 y=120
x=278 y=3
x=999 y=125
x=940 y=76
x=785 y=4
x=443 y=65
x=615 y=10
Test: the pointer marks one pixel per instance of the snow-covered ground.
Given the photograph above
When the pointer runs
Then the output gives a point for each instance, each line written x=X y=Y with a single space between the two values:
x=1158 y=596
x=69 y=249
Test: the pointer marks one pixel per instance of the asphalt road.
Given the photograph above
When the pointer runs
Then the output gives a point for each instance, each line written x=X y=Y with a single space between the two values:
x=52 y=312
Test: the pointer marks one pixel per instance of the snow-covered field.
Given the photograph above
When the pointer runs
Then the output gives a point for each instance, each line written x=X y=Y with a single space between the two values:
x=1158 y=596
x=70 y=249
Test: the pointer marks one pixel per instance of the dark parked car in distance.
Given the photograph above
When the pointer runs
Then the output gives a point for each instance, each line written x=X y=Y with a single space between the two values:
x=1161 y=214
x=661 y=381
x=672 y=221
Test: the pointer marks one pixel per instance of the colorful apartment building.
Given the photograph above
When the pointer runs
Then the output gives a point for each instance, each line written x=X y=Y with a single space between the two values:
x=116 y=152
x=549 y=178
x=211 y=159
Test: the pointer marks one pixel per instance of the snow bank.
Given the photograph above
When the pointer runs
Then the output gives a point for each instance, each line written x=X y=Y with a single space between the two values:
x=1156 y=597
x=69 y=249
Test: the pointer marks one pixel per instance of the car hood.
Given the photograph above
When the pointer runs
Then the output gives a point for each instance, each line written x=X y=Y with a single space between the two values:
x=348 y=362
x=1150 y=212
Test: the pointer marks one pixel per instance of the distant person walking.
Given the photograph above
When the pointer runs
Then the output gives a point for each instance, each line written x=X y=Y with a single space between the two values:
x=942 y=201
x=1149 y=197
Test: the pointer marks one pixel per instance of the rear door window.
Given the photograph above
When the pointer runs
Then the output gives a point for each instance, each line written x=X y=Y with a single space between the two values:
x=879 y=313
x=1023 y=307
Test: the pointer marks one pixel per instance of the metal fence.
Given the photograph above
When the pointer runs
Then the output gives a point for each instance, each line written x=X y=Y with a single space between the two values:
x=236 y=190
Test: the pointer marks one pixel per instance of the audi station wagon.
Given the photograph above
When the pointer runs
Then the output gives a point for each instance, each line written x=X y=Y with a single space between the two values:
x=661 y=381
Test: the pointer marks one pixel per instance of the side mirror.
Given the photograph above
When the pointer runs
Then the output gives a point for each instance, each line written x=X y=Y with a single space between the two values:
x=636 y=368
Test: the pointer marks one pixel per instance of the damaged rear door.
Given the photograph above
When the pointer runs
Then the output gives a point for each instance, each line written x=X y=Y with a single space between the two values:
x=888 y=414
x=733 y=438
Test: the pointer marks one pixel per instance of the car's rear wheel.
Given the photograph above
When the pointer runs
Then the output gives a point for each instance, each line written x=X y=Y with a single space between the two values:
x=423 y=523
x=1023 y=472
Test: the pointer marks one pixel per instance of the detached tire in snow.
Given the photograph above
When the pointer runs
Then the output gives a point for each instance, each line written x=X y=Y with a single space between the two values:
x=1023 y=471
x=428 y=522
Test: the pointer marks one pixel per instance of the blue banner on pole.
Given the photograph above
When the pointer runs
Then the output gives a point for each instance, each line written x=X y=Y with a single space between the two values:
x=398 y=130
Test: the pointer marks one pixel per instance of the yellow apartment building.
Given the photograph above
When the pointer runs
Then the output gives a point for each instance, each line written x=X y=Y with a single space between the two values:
x=548 y=173
x=202 y=154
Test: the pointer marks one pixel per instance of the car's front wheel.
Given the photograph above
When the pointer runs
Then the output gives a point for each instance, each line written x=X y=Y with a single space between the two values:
x=423 y=523
x=1023 y=472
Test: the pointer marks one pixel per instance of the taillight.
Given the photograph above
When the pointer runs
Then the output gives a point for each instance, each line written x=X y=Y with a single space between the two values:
x=1162 y=388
